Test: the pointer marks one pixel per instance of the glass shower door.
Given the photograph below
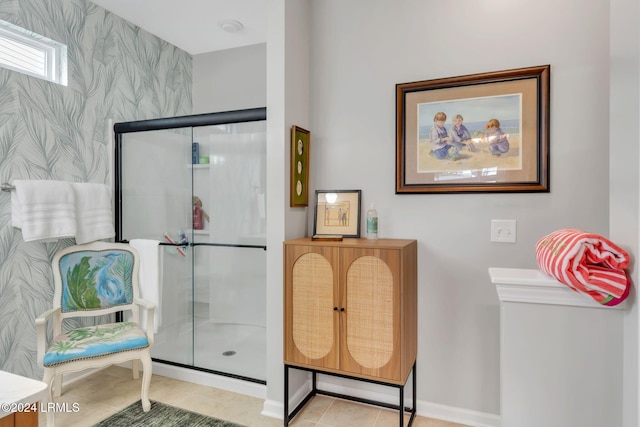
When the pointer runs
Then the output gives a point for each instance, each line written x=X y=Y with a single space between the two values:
x=229 y=251
x=155 y=188
x=210 y=213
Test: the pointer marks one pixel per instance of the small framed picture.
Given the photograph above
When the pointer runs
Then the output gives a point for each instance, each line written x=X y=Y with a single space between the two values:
x=337 y=213
x=300 y=143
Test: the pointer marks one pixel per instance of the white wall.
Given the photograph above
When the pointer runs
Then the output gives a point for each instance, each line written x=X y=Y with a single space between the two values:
x=287 y=104
x=624 y=184
x=359 y=50
x=555 y=378
x=276 y=189
x=350 y=111
x=231 y=79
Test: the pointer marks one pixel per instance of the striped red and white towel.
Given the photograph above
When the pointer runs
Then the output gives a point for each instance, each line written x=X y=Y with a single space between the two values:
x=587 y=263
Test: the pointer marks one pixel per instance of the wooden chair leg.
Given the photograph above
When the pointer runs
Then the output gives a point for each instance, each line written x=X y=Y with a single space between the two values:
x=57 y=385
x=146 y=381
x=48 y=378
x=135 y=367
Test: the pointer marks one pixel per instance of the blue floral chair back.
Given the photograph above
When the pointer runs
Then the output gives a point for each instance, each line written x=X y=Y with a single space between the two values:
x=94 y=280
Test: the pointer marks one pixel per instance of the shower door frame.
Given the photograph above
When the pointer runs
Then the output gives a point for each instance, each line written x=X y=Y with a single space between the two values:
x=197 y=120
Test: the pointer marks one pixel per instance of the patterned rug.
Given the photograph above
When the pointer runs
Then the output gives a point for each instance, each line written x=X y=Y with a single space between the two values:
x=161 y=415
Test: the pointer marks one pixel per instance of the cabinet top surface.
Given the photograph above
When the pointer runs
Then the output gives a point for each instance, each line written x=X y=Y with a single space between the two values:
x=19 y=389
x=353 y=242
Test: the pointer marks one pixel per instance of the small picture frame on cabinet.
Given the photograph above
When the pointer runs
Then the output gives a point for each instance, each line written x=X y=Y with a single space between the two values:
x=300 y=143
x=337 y=213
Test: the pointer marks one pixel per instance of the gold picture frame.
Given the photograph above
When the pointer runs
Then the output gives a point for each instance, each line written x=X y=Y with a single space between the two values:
x=300 y=145
x=504 y=146
x=337 y=213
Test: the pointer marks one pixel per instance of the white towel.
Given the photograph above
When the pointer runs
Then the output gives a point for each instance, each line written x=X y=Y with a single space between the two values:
x=150 y=277
x=44 y=209
x=94 y=217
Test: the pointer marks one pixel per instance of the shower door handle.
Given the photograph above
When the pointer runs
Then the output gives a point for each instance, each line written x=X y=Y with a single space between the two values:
x=229 y=245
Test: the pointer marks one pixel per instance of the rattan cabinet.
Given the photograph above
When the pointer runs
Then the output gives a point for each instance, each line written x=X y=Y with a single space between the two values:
x=351 y=307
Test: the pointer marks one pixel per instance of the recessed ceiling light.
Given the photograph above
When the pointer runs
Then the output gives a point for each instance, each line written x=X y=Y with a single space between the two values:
x=230 y=25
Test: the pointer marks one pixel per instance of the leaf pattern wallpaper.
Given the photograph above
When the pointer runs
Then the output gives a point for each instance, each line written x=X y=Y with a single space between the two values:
x=116 y=72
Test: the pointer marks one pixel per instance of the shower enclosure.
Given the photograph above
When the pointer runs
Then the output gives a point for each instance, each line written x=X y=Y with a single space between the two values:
x=197 y=185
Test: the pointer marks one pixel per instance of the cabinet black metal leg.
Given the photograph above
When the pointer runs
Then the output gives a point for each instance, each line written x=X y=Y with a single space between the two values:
x=414 y=383
x=401 y=408
x=286 y=396
x=314 y=390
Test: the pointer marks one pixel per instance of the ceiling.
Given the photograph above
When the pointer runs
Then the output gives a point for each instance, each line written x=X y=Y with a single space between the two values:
x=192 y=25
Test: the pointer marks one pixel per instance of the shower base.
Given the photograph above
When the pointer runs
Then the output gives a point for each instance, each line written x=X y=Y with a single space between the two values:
x=227 y=348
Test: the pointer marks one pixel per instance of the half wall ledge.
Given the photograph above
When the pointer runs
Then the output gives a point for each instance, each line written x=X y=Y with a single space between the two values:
x=536 y=287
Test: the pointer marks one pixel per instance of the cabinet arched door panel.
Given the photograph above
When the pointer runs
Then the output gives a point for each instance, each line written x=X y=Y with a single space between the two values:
x=370 y=326
x=311 y=320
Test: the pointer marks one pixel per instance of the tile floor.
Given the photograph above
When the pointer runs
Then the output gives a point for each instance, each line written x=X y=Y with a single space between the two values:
x=112 y=389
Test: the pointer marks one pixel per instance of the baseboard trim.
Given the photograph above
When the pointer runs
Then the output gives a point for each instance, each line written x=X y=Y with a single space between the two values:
x=211 y=380
x=457 y=415
x=275 y=409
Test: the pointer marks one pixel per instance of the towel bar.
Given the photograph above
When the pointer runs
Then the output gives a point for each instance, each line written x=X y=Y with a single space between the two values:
x=7 y=187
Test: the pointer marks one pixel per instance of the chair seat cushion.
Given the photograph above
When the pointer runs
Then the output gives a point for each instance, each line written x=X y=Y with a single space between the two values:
x=95 y=341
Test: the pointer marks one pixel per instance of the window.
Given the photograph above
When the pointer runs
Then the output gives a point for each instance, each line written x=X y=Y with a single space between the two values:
x=32 y=54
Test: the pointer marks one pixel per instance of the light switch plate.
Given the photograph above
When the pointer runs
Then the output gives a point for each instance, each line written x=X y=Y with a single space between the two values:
x=503 y=230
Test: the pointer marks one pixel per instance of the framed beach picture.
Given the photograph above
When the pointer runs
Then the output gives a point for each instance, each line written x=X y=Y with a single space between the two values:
x=337 y=213
x=475 y=133
x=300 y=143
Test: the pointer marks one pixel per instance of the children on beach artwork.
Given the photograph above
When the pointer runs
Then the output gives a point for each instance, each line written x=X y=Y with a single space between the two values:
x=460 y=135
x=447 y=144
x=498 y=141
x=439 y=138
x=480 y=134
